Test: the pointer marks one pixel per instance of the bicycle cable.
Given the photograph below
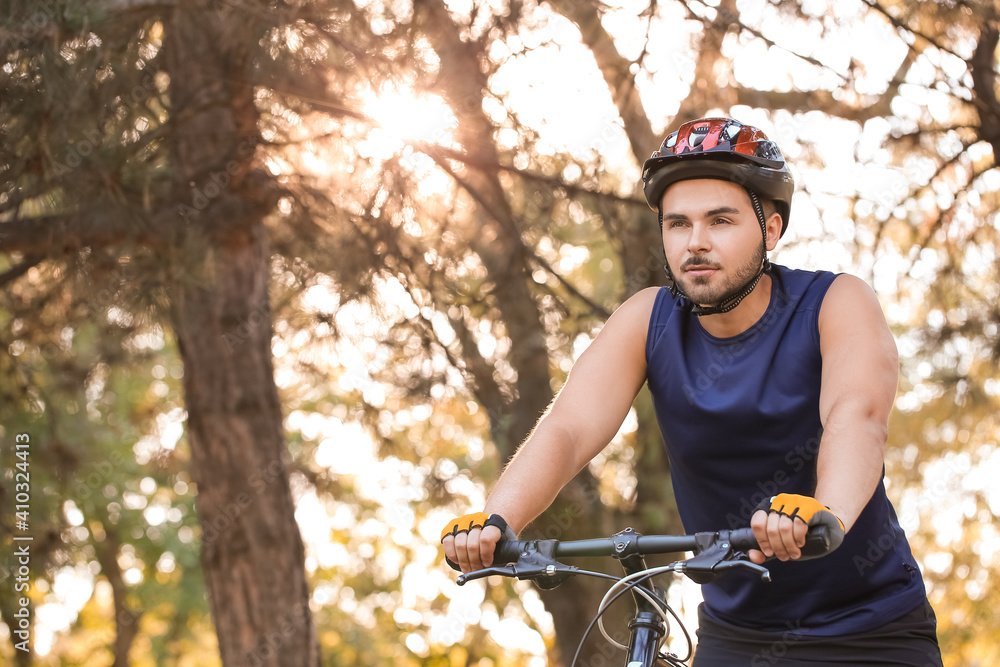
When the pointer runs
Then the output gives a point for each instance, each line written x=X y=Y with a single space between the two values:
x=626 y=583
x=649 y=574
x=633 y=581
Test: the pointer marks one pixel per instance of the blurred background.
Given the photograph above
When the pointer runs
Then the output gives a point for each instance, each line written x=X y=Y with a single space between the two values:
x=285 y=283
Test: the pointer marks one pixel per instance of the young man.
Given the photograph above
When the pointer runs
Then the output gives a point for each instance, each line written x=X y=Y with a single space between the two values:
x=772 y=388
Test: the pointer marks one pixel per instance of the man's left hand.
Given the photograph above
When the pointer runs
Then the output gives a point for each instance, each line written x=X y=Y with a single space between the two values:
x=780 y=525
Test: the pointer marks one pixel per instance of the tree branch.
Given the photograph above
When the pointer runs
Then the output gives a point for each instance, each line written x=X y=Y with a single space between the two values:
x=728 y=17
x=823 y=100
x=704 y=94
x=58 y=235
x=984 y=81
x=874 y=4
x=616 y=72
x=943 y=216
x=437 y=152
x=595 y=308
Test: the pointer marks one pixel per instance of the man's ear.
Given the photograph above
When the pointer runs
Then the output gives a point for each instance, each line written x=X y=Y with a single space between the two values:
x=773 y=225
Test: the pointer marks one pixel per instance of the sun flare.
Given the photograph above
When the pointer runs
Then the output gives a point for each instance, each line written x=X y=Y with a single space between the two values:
x=403 y=117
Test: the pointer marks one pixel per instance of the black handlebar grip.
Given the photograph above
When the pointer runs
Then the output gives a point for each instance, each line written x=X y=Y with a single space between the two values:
x=742 y=539
x=819 y=541
x=507 y=551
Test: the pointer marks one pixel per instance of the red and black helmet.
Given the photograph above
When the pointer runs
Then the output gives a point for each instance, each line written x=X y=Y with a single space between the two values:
x=720 y=148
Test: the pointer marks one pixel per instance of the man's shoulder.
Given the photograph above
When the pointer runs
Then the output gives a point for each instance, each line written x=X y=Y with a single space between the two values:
x=846 y=293
x=641 y=303
x=634 y=314
x=851 y=312
x=650 y=294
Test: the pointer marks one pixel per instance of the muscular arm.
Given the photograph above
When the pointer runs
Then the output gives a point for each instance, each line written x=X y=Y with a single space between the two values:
x=583 y=418
x=860 y=372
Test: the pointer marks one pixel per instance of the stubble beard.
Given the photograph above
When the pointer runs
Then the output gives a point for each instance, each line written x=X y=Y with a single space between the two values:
x=700 y=290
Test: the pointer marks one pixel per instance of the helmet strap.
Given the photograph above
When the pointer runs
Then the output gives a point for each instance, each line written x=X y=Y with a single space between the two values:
x=675 y=290
x=731 y=302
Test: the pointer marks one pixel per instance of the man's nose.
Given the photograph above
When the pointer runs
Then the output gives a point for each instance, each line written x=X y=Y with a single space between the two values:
x=698 y=241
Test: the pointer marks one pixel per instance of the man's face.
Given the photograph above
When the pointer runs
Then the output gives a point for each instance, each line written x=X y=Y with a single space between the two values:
x=712 y=238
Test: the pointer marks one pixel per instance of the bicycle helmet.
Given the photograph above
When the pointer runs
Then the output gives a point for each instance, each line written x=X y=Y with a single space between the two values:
x=720 y=148
x=725 y=149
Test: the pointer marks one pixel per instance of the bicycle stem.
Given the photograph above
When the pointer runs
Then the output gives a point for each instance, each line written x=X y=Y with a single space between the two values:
x=647 y=628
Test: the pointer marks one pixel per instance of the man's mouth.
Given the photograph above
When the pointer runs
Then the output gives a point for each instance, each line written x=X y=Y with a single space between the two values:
x=700 y=269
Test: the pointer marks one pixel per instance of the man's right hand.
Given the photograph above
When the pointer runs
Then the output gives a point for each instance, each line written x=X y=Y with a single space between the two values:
x=469 y=541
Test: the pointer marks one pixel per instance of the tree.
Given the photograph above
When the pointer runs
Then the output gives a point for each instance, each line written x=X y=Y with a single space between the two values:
x=169 y=185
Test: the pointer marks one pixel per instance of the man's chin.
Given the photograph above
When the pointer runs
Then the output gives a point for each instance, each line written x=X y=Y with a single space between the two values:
x=705 y=298
x=701 y=297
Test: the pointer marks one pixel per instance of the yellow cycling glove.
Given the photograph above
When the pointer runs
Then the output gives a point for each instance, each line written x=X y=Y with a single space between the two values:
x=801 y=507
x=808 y=510
x=464 y=524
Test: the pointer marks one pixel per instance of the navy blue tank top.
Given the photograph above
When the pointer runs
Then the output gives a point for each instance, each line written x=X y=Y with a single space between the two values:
x=740 y=422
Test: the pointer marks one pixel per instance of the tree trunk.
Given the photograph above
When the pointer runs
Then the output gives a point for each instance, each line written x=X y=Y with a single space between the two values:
x=252 y=551
x=126 y=618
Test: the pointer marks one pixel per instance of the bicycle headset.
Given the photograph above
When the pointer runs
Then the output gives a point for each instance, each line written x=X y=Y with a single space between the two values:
x=728 y=150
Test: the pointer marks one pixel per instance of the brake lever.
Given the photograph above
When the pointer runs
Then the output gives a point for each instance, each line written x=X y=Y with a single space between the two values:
x=536 y=562
x=546 y=576
x=504 y=571
x=765 y=574
x=717 y=554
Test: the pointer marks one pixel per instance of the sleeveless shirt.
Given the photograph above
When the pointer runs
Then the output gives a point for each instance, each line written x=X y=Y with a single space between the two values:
x=740 y=422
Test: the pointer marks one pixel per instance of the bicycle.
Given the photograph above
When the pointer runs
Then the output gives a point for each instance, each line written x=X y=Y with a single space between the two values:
x=715 y=554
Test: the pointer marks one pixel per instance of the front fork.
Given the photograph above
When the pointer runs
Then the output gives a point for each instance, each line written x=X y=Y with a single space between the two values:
x=647 y=629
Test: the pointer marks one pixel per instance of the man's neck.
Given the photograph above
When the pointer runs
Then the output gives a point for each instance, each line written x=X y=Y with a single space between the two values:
x=743 y=316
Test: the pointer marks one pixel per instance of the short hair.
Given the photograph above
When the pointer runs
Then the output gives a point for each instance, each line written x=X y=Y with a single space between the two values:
x=770 y=207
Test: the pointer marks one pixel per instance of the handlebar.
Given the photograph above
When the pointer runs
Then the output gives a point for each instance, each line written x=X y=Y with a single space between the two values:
x=715 y=554
x=742 y=539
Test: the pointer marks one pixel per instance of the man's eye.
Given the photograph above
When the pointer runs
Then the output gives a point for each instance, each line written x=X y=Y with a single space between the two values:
x=722 y=221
